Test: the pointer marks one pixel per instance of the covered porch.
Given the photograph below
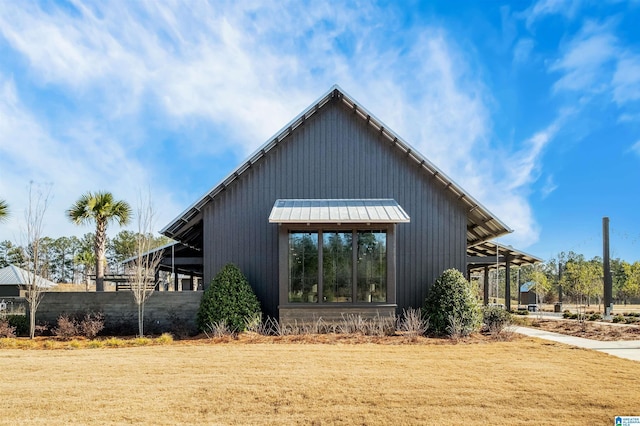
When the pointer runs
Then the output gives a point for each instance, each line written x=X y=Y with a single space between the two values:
x=490 y=255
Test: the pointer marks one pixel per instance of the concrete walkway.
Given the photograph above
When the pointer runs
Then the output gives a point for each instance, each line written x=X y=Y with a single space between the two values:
x=628 y=349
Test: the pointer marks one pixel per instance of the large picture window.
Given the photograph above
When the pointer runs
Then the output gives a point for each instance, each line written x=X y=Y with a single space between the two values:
x=337 y=266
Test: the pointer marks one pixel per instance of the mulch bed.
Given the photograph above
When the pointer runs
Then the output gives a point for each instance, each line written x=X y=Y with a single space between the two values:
x=594 y=330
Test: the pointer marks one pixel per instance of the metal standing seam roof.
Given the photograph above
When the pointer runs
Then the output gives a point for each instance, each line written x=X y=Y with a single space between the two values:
x=337 y=211
x=491 y=249
x=527 y=286
x=482 y=225
x=13 y=275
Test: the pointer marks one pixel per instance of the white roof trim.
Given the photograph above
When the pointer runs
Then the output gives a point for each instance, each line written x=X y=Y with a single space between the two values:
x=338 y=211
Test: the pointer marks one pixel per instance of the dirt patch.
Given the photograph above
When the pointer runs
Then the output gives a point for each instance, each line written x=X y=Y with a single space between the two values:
x=589 y=330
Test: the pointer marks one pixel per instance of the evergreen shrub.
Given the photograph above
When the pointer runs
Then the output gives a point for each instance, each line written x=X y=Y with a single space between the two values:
x=451 y=300
x=495 y=318
x=21 y=324
x=229 y=298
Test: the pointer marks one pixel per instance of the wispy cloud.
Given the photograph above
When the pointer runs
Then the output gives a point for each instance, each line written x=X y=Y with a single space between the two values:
x=549 y=187
x=635 y=148
x=240 y=71
x=86 y=160
x=586 y=59
x=542 y=8
x=626 y=79
x=522 y=50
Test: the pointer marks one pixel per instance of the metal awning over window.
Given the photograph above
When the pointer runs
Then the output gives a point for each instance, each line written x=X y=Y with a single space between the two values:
x=338 y=211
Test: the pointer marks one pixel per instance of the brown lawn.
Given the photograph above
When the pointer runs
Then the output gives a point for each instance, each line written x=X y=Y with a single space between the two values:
x=523 y=381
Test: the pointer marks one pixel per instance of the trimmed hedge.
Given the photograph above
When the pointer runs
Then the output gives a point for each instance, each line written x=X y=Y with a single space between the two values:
x=229 y=298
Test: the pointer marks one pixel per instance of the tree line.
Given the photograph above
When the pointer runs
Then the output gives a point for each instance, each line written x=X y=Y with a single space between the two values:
x=72 y=259
x=575 y=278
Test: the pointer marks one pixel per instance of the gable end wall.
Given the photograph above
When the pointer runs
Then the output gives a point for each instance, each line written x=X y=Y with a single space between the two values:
x=334 y=155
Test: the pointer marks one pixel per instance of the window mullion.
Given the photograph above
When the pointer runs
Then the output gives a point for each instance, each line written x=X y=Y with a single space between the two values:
x=354 y=266
x=320 y=265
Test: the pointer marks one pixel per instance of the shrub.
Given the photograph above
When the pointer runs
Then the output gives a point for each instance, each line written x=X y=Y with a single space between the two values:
x=618 y=318
x=229 y=298
x=495 y=318
x=595 y=317
x=91 y=324
x=218 y=329
x=21 y=324
x=67 y=327
x=451 y=306
x=6 y=330
x=164 y=339
x=412 y=324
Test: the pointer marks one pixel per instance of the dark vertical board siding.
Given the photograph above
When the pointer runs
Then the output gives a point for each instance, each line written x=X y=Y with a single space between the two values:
x=334 y=155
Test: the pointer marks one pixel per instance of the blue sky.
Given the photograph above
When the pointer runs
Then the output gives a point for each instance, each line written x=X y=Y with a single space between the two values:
x=532 y=107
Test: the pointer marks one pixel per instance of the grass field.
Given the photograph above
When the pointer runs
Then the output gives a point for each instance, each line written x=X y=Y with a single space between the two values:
x=519 y=382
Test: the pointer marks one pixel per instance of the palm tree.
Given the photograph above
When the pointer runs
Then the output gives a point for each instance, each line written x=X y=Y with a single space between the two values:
x=4 y=210
x=88 y=261
x=101 y=208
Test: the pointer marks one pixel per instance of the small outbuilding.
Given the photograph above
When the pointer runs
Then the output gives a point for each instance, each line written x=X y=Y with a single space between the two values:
x=528 y=293
x=13 y=279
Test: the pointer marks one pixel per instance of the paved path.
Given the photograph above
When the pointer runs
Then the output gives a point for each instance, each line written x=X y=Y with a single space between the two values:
x=629 y=349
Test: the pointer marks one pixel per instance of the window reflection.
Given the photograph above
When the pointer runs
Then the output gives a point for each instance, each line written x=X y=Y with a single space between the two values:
x=303 y=267
x=337 y=281
x=372 y=266
x=337 y=261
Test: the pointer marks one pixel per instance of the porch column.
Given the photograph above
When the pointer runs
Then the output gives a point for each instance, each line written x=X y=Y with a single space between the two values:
x=486 y=285
x=507 y=283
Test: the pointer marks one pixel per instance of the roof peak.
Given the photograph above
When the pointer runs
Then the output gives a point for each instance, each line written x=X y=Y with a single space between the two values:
x=483 y=225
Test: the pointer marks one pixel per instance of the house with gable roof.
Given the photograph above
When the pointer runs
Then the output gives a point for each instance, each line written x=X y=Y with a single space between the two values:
x=336 y=214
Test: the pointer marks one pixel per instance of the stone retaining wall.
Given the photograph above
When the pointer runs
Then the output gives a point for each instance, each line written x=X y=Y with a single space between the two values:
x=164 y=311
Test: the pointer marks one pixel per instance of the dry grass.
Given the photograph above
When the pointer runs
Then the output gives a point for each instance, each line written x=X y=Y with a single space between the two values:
x=519 y=382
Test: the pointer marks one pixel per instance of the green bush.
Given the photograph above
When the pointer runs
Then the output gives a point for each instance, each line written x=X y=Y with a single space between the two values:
x=495 y=318
x=21 y=324
x=595 y=317
x=229 y=298
x=451 y=306
x=618 y=318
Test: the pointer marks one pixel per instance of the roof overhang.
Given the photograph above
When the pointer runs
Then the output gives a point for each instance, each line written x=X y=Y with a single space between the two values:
x=338 y=211
x=491 y=254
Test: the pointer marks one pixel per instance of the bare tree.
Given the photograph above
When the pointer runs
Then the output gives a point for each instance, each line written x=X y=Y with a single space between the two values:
x=35 y=286
x=142 y=269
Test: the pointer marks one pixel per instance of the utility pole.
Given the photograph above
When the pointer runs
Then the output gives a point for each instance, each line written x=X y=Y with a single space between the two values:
x=606 y=267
